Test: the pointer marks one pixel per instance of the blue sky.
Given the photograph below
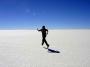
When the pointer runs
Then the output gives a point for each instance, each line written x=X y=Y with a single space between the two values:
x=56 y=14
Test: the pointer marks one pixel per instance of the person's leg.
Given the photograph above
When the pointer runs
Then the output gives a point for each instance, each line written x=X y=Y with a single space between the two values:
x=46 y=43
x=42 y=41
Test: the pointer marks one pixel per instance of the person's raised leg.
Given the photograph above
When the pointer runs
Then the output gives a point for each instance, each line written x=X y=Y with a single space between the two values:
x=47 y=44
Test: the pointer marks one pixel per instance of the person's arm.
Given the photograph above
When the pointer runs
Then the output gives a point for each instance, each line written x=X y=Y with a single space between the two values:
x=38 y=29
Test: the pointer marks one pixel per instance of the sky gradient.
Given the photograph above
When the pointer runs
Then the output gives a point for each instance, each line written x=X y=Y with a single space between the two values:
x=56 y=14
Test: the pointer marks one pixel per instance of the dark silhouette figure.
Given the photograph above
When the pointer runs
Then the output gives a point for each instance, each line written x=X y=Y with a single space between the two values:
x=44 y=34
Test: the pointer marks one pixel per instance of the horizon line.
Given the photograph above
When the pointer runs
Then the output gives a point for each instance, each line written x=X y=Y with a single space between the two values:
x=51 y=29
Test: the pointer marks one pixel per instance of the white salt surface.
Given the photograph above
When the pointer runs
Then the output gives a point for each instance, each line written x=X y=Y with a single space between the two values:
x=22 y=48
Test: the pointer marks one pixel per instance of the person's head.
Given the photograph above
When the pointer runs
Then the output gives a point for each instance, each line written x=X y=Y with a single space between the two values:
x=43 y=27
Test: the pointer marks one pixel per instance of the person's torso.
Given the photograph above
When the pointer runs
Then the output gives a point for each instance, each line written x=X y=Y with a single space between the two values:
x=44 y=31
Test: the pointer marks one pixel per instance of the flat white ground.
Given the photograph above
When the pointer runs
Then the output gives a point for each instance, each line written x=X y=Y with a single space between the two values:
x=22 y=48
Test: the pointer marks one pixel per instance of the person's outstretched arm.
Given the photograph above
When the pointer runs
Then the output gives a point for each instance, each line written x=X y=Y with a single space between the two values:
x=38 y=29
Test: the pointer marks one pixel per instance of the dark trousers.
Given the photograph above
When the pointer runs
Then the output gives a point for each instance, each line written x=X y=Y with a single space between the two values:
x=44 y=41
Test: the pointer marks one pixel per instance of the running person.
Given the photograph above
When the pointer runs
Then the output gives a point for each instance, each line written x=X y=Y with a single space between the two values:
x=44 y=34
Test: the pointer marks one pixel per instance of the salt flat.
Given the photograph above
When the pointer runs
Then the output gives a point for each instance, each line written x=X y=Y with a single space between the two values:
x=22 y=48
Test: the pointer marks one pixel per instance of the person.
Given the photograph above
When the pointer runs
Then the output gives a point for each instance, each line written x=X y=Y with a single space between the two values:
x=44 y=34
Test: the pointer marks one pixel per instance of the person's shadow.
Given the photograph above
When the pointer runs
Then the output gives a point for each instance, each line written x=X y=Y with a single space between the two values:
x=53 y=51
